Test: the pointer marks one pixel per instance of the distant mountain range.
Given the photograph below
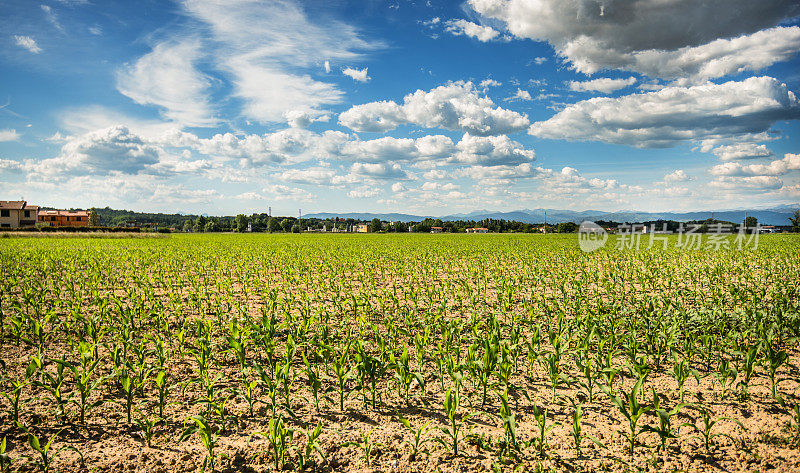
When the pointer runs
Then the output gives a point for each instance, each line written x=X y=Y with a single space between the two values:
x=778 y=215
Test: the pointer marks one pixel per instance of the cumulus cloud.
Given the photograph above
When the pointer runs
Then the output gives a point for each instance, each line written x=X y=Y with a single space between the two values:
x=359 y=75
x=604 y=85
x=473 y=30
x=9 y=135
x=455 y=106
x=167 y=77
x=28 y=43
x=114 y=149
x=379 y=170
x=491 y=150
x=675 y=114
x=9 y=166
x=656 y=38
x=747 y=183
x=778 y=167
x=520 y=95
x=741 y=151
x=679 y=175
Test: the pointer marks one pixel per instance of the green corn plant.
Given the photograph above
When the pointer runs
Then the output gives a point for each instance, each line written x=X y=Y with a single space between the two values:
x=52 y=383
x=5 y=458
x=83 y=380
x=453 y=430
x=247 y=390
x=314 y=381
x=280 y=440
x=366 y=445
x=680 y=373
x=46 y=455
x=628 y=404
x=418 y=435
x=726 y=375
x=403 y=374
x=14 y=396
x=268 y=380
x=486 y=365
x=305 y=455
x=586 y=365
x=370 y=369
x=665 y=430
x=577 y=416
x=509 y=423
x=705 y=432
x=161 y=382
x=543 y=428
x=200 y=426
x=147 y=426
x=794 y=424
x=748 y=368
x=775 y=357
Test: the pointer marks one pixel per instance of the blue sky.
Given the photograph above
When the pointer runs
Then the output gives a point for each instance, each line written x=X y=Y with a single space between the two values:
x=433 y=107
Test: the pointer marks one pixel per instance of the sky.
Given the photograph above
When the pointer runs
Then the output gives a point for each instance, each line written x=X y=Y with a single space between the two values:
x=423 y=107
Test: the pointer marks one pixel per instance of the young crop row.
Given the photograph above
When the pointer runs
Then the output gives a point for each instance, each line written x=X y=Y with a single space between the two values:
x=281 y=352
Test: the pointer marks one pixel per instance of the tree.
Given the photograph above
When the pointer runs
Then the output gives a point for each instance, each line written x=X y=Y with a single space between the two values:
x=241 y=223
x=273 y=225
x=795 y=219
x=566 y=227
x=750 y=222
x=376 y=225
x=200 y=224
x=286 y=224
x=187 y=225
x=94 y=219
x=295 y=228
x=211 y=226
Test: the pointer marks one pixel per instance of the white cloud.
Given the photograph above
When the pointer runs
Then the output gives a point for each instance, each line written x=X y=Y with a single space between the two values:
x=28 y=43
x=603 y=84
x=520 y=95
x=491 y=150
x=486 y=83
x=398 y=187
x=473 y=30
x=114 y=149
x=52 y=17
x=167 y=77
x=659 y=38
x=9 y=166
x=540 y=60
x=379 y=170
x=359 y=75
x=363 y=192
x=9 y=135
x=455 y=106
x=675 y=114
x=269 y=48
x=778 y=167
x=744 y=183
x=741 y=151
x=280 y=192
x=327 y=66
x=679 y=175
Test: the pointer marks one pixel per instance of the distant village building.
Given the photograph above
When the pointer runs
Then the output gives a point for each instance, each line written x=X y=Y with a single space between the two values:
x=17 y=213
x=436 y=229
x=477 y=230
x=361 y=228
x=65 y=218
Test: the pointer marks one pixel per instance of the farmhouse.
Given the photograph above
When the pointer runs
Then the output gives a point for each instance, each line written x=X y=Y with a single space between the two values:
x=477 y=230
x=436 y=229
x=65 y=218
x=360 y=228
x=17 y=213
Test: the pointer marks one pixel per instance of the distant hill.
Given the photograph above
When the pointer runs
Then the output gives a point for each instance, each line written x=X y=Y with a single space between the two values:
x=774 y=216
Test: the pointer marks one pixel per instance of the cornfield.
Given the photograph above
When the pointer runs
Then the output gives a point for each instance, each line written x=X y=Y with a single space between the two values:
x=396 y=353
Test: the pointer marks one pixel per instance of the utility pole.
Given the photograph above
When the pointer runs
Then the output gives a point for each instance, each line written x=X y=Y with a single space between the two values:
x=270 y=212
x=300 y=220
x=545 y=222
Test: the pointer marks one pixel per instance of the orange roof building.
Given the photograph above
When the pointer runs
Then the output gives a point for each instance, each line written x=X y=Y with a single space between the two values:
x=65 y=218
x=17 y=213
